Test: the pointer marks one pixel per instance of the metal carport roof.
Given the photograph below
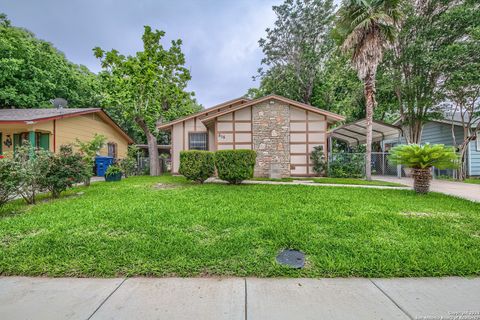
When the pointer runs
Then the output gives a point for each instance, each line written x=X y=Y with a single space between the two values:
x=355 y=133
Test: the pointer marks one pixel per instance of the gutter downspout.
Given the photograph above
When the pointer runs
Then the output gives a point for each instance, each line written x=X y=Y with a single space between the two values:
x=54 y=135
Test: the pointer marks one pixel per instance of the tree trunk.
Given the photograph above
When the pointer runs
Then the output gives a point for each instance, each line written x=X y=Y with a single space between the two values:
x=152 y=147
x=462 y=169
x=369 y=92
x=421 y=180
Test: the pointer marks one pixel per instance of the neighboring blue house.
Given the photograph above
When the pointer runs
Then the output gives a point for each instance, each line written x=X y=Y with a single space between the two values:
x=440 y=131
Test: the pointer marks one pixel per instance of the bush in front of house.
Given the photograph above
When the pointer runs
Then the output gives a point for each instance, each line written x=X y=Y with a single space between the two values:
x=197 y=165
x=32 y=167
x=346 y=165
x=319 y=161
x=129 y=164
x=63 y=170
x=10 y=180
x=235 y=166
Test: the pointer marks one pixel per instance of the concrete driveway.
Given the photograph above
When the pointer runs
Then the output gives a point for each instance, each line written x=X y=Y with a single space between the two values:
x=467 y=191
x=239 y=298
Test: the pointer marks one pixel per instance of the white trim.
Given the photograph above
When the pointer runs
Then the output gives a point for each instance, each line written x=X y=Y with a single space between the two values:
x=469 y=155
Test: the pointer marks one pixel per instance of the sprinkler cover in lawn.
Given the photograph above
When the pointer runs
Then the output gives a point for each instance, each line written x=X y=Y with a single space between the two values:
x=291 y=258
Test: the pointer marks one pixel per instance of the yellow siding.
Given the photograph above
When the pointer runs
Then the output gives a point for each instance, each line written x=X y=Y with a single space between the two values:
x=84 y=128
x=45 y=127
x=9 y=130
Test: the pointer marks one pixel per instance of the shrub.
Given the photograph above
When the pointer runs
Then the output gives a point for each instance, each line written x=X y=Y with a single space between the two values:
x=421 y=158
x=32 y=167
x=89 y=151
x=318 y=158
x=10 y=180
x=129 y=164
x=63 y=170
x=197 y=165
x=235 y=166
x=113 y=170
x=424 y=156
x=346 y=165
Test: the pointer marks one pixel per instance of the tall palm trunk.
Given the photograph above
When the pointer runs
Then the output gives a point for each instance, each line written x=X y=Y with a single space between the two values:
x=369 y=91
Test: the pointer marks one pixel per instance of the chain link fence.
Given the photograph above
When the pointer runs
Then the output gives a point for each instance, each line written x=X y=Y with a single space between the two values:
x=143 y=164
x=352 y=165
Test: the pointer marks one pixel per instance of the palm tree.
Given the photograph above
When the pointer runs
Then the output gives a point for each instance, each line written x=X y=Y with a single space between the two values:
x=365 y=29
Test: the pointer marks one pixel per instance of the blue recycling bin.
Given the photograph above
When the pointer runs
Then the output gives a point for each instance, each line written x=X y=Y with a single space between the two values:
x=102 y=163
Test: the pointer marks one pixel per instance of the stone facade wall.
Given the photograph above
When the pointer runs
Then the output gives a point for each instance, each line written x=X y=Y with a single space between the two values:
x=271 y=138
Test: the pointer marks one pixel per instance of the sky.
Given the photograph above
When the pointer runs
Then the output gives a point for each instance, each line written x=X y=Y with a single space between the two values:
x=220 y=38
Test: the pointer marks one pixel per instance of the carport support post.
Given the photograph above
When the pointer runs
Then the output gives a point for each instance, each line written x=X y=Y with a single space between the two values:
x=31 y=140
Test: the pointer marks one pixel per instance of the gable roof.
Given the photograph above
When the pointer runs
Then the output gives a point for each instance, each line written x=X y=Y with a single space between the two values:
x=30 y=116
x=23 y=115
x=204 y=112
x=456 y=121
x=331 y=117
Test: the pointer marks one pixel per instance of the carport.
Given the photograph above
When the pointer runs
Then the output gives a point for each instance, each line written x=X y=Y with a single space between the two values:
x=355 y=133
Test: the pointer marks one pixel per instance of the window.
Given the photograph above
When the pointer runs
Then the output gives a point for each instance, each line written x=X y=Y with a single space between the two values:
x=197 y=141
x=112 y=150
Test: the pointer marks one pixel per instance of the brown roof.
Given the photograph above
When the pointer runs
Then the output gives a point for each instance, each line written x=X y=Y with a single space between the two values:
x=209 y=114
x=21 y=115
x=24 y=116
x=333 y=116
x=204 y=112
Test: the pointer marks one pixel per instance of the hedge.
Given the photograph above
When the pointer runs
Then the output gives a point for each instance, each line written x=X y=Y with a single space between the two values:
x=235 y=166
x=197 y=165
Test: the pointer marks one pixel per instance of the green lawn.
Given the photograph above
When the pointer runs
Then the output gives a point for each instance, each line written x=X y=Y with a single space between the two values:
x=183 y=229
x=468 y=180
x=472 y=180
x=328 y=180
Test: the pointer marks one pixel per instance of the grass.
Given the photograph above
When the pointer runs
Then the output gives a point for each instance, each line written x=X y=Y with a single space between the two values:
x=472 y=180
x=137 y=227
x=468 y=180
x=328 y=180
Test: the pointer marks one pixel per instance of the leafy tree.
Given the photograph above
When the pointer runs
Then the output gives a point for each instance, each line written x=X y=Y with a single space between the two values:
x=338 y=89
x=33 y=72
x=148 y=86
x=364 y=29
x=417 y=63
x=296 y=48
x=461 y=86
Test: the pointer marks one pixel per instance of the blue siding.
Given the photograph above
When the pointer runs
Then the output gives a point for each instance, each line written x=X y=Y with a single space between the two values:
x=437 y=132
x=474 y=159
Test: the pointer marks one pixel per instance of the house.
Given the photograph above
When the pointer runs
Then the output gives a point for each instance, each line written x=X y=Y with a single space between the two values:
x=283 y=132
x=51 y=128
x=439 y=131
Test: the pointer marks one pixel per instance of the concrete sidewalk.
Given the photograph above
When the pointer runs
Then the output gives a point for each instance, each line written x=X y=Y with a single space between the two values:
x=467 y=191
x=239 y=298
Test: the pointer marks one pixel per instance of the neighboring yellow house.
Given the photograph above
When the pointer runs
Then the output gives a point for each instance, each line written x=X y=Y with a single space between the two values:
x=51 y=128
